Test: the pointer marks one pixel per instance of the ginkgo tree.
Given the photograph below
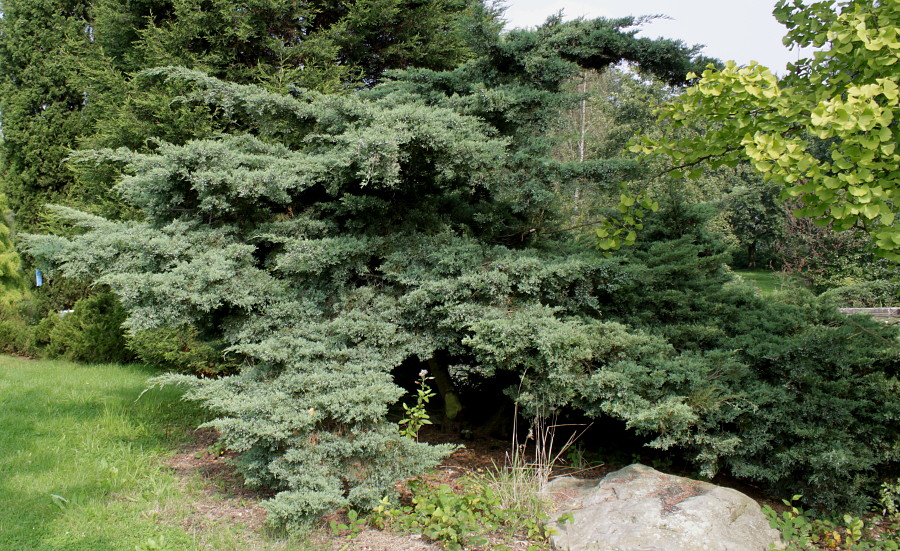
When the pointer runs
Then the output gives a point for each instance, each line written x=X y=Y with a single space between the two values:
x=827 y=131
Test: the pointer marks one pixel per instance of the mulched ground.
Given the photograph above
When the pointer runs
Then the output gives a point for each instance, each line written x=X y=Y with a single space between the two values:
x=224 y=498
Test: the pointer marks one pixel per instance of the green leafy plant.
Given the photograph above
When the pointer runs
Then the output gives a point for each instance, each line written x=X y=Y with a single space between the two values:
x=621 y=228
x=854 y=529
x=216 y=449
x=803 y=530
x=795 y=528
x=351 y=528
x=417 y=416
x=579 y=458
x=889 y=499
x=460 y=519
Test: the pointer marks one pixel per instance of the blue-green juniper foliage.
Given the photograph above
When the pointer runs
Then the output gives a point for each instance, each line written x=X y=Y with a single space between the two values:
x=332 y=239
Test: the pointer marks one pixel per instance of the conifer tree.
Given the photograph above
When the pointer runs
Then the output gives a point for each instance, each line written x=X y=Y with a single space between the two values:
x=12 y=280
x=324 y=46
x=338 y=242
x=40 y=104
x=333 y=240
x=66 y=73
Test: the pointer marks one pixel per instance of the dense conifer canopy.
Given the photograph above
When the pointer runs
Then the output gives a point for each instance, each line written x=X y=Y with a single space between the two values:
x=332 y=239
x=66 y=72
x=340 y=242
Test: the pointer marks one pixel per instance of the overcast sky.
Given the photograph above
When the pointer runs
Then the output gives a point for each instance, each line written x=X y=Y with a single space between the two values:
x=742 y=30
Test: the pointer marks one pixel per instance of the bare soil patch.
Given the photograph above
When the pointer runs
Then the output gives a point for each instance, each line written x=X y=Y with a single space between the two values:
x=223 y=498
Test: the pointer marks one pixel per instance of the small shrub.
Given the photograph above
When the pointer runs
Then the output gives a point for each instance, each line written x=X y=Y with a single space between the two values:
x=92 y=332
x=16 y=338
x=866 y=294
x=460 y=519
x=55 y=295
x=180 y=349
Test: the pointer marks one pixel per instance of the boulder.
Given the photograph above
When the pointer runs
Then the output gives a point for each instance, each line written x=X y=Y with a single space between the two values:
x=641 y=509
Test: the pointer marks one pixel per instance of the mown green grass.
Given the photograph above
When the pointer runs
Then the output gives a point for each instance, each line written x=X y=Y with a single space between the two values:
x=82 y=455
x=766 y=281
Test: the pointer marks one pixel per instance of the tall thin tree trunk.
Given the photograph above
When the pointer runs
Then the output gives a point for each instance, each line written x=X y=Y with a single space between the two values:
x=583 y=117
x=583 y=128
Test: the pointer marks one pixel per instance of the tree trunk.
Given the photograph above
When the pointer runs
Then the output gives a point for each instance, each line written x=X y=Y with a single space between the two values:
x=452 y=403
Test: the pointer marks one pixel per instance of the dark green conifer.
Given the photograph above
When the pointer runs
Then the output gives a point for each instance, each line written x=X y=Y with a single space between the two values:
x=319 y=45
x=41 y=105
x=12 y=279
x=66 y=73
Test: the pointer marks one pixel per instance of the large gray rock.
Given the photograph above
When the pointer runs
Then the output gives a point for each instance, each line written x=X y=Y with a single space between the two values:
x=641 y=509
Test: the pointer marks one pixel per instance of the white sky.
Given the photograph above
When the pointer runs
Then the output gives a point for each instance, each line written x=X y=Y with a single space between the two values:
x=742 y=30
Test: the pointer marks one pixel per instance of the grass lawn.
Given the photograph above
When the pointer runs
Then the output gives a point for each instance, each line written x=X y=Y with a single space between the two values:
x=81 y=461
x=766 y=281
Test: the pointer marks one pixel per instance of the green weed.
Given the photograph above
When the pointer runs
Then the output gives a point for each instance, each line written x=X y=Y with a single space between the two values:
x=474 y=516
x=351 y=528
x=889 y=499
x=416 y=416
x=803 y=530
